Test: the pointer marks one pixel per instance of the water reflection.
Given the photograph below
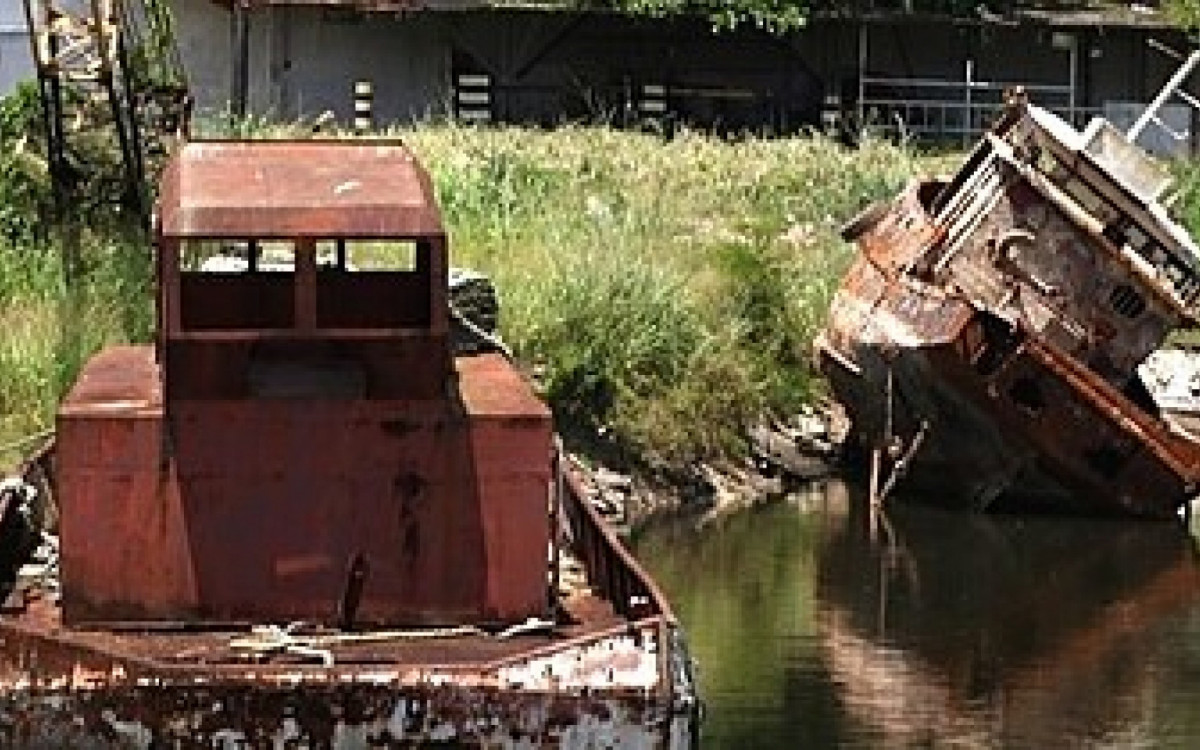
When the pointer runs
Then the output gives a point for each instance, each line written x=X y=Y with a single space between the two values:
x=951 y=629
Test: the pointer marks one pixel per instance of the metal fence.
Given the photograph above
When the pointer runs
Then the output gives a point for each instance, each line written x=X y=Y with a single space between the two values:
x=931 y=109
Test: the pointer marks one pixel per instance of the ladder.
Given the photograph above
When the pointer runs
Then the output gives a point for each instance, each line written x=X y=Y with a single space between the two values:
x=108 y=73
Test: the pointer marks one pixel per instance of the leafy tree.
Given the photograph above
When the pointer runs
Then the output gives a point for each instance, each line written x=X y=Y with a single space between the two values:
x=777 y=16
x=1183 y=13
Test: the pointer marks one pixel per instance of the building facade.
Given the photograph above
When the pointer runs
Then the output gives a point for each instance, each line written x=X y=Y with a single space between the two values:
x=927 y=77
x=16 y=60
x=922 y=76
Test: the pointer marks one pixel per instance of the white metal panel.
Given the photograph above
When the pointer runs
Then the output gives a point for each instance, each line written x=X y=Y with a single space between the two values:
x=16 y=63
x=1172 y=138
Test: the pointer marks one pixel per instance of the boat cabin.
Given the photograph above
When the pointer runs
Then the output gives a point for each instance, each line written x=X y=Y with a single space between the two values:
x=1063 y=231
x=300 y=442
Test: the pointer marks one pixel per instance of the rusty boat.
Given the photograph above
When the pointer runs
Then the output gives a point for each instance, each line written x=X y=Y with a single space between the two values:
x=986 y=340
x=309 y=515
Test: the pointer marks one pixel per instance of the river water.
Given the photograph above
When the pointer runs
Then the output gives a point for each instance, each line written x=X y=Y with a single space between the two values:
x=814 y=627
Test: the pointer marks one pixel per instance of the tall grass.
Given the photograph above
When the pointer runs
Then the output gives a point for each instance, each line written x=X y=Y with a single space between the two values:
x=50 y=327
x=663 y=293
x=666 y=292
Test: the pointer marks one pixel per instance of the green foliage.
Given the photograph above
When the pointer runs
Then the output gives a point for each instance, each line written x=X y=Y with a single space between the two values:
x=52 y=328
x=25 y=193
x=776 y=16
x=1187 y=194
x=153 y=59
x=27 y=201
x=780 y=16
x=1183 y=13
x=666 y=293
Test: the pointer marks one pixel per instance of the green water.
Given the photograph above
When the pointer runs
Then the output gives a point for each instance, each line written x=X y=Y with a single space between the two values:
x=814 y=627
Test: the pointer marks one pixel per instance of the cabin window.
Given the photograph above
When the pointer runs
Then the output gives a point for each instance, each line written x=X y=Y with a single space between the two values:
x=238 y=256
x=1090 y=201
x=1169 y=268
x=374 y=284
x=368 y=255
x=228 y=285
x=1126 y=301
x=1181 y=279
x=1139 y=242
x=1048 y=165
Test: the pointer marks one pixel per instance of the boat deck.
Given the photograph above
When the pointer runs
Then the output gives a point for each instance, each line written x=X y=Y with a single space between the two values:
x=584 y=615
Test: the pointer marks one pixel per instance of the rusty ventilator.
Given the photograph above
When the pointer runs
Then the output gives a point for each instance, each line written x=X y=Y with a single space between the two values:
x=302 y=515
x=987 y=338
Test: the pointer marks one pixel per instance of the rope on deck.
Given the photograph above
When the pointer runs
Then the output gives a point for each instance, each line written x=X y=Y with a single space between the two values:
x=267 y=640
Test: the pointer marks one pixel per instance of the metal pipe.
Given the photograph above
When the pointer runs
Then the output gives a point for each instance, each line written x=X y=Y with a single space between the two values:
x=240 y=87
x=1073 y=73
x=969 y=124
x=862 y=72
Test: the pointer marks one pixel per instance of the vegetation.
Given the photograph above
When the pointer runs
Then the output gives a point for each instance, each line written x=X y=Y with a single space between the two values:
x=666 y=293
x=776 y=16
x=50 y=327
x=663 y=293
x=1183 y=13
x=783 y=16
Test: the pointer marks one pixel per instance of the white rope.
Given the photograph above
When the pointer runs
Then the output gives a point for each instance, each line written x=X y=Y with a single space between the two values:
x=265 y=640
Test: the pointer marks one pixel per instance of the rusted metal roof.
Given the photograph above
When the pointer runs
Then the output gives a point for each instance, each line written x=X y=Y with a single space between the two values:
x=316 y=188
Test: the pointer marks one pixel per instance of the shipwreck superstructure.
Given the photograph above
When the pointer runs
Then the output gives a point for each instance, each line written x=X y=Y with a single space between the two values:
x=987 y=338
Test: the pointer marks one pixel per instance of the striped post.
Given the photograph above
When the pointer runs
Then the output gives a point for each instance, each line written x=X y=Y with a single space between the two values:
x=473 y=97
x=652 y=104
x=364 y=95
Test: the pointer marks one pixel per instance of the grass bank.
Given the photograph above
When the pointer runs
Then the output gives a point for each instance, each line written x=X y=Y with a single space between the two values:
x=663 y=293
x=50 y=328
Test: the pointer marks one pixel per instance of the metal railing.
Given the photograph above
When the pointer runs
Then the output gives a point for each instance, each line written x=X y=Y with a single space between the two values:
x=928 y=109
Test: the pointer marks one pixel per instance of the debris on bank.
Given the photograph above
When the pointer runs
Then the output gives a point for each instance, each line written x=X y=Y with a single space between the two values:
x=804 y=447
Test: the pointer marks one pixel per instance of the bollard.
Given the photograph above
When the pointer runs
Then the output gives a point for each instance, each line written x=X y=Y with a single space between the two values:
x=363 y=104
x=473 y=97
x=653 y=101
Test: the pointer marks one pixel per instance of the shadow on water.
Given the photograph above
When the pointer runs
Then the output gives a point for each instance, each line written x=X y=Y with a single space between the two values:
x=954 y=629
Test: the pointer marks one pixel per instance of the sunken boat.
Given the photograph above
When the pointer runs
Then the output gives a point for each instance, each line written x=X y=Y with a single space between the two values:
x=986 y=340
x=313 y=512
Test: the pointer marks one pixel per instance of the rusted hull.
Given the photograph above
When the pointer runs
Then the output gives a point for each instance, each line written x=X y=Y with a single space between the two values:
x=61 y=694
x=987 y=337
x=989 y=418
x=332 y=717
x=258 y=509
x=613 y=671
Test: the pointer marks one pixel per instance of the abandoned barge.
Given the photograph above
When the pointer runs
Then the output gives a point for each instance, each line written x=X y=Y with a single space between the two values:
x=303 y=516
x=986 y=339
